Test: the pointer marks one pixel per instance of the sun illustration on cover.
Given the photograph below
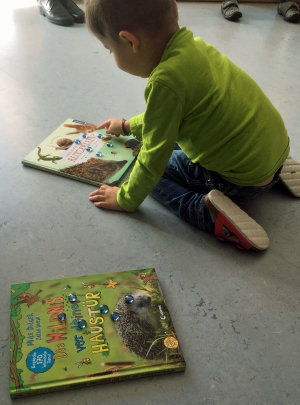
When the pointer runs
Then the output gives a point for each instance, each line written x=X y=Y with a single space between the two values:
x=171 y=342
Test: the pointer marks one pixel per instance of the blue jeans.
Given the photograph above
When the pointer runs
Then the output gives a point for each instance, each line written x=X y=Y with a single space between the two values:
x=184 y=184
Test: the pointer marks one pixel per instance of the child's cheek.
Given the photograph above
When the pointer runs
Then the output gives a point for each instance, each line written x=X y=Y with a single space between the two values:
x=121 y=65
x=118 y=63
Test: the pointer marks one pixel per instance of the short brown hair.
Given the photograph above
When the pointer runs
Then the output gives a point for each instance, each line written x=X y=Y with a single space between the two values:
x=109 y=17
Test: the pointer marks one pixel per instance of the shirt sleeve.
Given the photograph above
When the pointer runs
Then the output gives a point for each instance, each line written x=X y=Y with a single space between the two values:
x=136 y=126
x=160 y=128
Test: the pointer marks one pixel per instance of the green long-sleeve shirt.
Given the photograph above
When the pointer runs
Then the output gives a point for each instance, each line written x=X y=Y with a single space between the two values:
x=217 y=114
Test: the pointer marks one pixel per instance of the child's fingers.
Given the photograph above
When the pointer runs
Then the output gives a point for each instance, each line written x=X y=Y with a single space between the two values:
x=97 y=198
x=104 y=124
x=97 y=193
x=101 y=204
x=94 y=193
x=101 y=201
x=105 y=197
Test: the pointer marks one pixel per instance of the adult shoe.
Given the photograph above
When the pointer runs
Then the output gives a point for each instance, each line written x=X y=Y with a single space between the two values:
x=230 y=10
x=74 y=10
x=289 y=10
x=55 y=12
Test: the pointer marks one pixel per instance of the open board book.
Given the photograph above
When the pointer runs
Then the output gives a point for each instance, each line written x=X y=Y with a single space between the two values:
x=89 y=330
x=78 y=151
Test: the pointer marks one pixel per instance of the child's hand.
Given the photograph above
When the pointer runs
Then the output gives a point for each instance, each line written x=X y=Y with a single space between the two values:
x=106 y=197
x=113 y=126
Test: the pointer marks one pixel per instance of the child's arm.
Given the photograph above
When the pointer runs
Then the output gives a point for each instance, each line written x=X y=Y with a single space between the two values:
x=160 y=131
x=106 y=196
x=159 y=126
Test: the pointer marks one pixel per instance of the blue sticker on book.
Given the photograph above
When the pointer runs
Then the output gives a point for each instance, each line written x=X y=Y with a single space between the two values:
x=79 y=122
x=40 y=360
x=62 y=317
x=81 y=323
x=72 y=297
x=129 y=299
x=114 y=316
x=104 y=309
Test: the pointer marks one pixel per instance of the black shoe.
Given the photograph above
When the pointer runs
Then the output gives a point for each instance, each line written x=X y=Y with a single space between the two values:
x=55 y=12
x=74 y=10
x=230 y=10
x=289 y=10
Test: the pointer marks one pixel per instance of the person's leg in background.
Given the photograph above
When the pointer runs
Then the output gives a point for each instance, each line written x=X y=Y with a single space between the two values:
x=230 y=10
x=289 y=10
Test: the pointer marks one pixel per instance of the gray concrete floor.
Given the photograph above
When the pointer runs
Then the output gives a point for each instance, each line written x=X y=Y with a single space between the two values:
x=236 y=313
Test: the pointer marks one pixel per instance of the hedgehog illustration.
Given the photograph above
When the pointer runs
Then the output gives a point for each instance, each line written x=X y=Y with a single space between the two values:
x=137 y=326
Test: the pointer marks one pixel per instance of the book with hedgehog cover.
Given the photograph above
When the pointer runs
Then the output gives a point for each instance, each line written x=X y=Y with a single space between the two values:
x=88 y=330
x=78 y=151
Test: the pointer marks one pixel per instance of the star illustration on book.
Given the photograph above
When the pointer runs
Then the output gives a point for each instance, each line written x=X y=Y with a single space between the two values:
x=111 y=284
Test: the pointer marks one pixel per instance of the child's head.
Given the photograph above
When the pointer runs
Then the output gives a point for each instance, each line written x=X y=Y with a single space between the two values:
x=107 y=18
x=135 y=31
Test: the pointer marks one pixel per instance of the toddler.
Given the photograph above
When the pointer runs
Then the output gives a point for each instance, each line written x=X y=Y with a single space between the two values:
x=211 y=138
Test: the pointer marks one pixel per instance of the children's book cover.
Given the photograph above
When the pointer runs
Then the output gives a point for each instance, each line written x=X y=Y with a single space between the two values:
x=88 y=330
x=78 y=151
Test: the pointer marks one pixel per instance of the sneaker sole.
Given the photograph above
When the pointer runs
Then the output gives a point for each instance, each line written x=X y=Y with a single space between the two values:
x=250 y=229
x=290 y=176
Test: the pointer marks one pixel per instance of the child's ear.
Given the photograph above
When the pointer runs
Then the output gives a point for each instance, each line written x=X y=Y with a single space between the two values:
x=131 y=38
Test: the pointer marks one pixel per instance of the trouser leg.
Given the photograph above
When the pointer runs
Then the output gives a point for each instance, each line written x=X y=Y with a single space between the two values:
x=182 y=190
